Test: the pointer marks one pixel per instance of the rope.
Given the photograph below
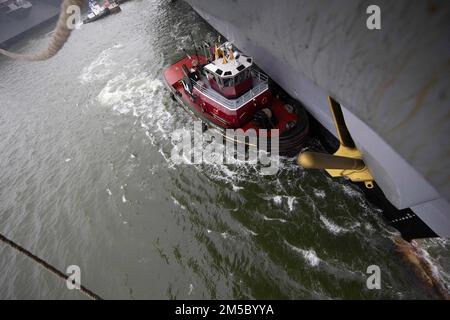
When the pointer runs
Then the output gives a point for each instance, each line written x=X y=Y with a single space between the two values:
x=47 y=266
x=59 y=38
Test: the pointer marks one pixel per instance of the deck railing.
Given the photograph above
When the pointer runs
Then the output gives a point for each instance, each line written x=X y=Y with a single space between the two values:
x=260 y=84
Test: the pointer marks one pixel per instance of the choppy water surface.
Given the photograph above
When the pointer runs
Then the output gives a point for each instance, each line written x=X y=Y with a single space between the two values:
x=86 y=179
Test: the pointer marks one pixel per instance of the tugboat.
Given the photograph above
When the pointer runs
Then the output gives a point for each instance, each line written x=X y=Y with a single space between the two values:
x=112 y=6
x=225 y=90
x=96 y=12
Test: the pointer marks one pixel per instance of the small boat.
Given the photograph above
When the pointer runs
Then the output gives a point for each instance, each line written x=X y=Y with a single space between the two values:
x=91 y=17
x=225 y=90
x=112 y=6
x=96 y=12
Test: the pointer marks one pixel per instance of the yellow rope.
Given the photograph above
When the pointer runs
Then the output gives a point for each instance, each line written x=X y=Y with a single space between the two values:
x=59 y=38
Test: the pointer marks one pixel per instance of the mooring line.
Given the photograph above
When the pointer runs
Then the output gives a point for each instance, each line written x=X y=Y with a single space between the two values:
x=47 y=266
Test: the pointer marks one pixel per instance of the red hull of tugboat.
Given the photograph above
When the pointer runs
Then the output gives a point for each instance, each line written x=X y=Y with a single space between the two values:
x=217 y=115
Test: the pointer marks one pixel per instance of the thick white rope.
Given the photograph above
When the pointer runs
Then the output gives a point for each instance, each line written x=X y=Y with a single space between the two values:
x=59 y=38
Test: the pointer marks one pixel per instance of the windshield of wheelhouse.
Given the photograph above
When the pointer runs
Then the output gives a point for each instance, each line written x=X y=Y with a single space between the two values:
x=232 y=87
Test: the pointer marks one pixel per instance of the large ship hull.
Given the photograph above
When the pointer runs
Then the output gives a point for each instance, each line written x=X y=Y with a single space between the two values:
x=17 y=24
x=393 y=86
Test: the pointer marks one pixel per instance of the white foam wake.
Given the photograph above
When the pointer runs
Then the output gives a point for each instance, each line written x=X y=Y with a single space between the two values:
x=101 y=67
x=309 y=255
x=332 y=227
x=128 y=94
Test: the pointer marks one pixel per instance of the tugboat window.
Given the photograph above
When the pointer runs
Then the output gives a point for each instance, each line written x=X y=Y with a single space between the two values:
x=219 y=81
x=228 y=82
x=241 y=77
x=209 y=75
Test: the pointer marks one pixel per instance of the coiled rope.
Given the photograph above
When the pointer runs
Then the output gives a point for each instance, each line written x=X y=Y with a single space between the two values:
x=59 y=38
x=47 y=266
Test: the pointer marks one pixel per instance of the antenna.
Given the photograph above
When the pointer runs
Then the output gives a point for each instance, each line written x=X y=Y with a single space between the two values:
x=193 y=43
x=207 y=48
x=190 y=58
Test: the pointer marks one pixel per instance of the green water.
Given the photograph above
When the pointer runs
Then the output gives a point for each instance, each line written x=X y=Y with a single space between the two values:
x=86 y=179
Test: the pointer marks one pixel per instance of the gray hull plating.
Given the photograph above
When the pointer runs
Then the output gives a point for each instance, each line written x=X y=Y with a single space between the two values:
x=12 y=27
x=393 y=83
